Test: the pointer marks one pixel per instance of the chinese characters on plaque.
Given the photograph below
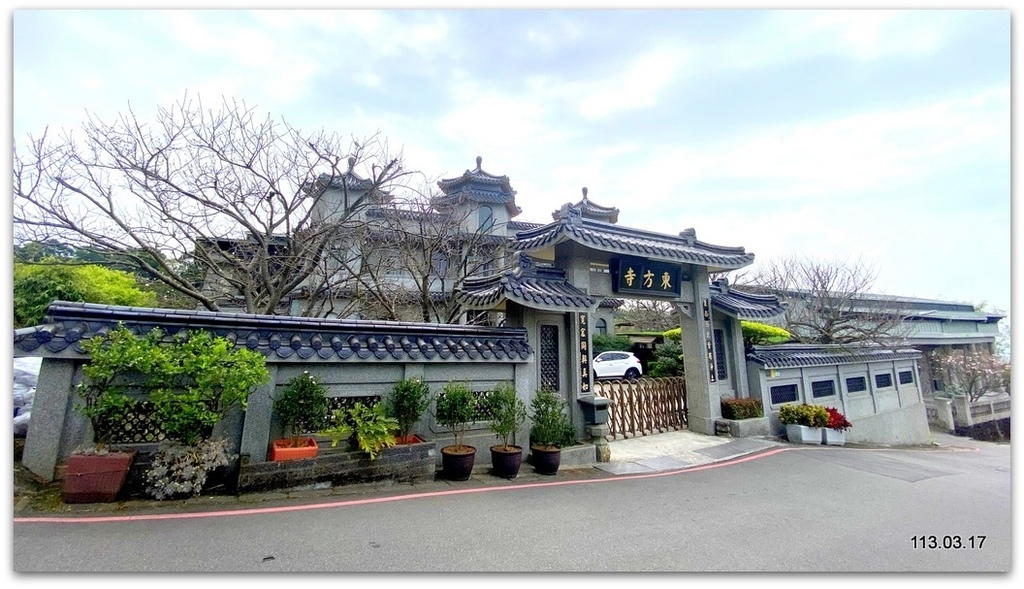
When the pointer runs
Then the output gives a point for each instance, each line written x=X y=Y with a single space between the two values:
x=641 y=276
x=584 y=353
x=706 y=305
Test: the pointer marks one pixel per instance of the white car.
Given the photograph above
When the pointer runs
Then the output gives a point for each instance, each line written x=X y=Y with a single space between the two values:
x=617 y=365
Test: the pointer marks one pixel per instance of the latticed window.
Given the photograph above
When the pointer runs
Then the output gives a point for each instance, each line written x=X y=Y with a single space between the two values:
x=823 y=388
x=720 y=370
x=906 y=377
x=783 y=393
x=856 y=384
x=883 y=380
x=549 y=357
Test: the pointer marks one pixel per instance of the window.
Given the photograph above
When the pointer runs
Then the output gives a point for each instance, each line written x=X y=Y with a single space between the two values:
x=439 y=264
x=906 y=377
x=601 y=327
x=486 y=218
x=720 y=355
x=856 y=384
x=883 y=381
x=783 y=393
x=823 y=388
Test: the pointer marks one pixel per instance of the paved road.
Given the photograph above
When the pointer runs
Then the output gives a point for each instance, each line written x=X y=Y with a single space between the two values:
x=790 y=508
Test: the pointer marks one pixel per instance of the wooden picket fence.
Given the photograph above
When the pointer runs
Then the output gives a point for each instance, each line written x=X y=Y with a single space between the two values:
x=645 y=406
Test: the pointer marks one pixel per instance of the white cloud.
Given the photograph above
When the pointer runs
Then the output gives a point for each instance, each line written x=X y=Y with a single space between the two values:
x=636 y=85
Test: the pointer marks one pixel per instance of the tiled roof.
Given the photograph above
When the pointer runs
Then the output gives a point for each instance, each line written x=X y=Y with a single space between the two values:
x=478 y=186
x=522 y=225
x=589 y=210
x=744 y=305
x=801 y=355
x=476 y=176
x=683 y=248
x=279 y=337
x=528 y=285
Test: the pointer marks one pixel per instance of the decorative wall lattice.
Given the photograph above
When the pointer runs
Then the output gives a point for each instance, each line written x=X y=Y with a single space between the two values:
x=549 y=377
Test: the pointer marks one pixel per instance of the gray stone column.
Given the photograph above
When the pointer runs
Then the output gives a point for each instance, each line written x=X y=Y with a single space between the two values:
x=695 y=336
x=52 y=408
x=258 y=413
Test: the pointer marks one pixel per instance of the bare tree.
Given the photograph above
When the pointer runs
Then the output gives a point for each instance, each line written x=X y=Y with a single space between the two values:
x=648 y=315
x=216 y=204
x=830 y=301
x=408 y=259
x=973 y=374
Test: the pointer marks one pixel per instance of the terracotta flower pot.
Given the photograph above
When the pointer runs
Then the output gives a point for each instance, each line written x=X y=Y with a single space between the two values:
x=96 y=478
x=287 y=449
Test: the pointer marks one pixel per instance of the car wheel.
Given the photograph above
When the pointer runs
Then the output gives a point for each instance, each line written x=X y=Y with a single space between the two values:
x=632 y=374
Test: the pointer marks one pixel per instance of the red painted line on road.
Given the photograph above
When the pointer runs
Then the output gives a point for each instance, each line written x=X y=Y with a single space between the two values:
x=357 y=502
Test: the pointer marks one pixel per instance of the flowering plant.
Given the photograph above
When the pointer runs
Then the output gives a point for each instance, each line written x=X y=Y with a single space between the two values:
x=837 y=420
x=807 y=415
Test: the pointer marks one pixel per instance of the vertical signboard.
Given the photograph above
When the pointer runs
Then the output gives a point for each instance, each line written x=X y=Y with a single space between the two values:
x=584 y=353
x=706 y=306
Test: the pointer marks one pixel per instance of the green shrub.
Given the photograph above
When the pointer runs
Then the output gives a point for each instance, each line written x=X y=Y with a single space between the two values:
x=551 y=427
x=808 y=415
x=408 y=400
x=759 y=334
x=507 y=411
x=606 y=343
x=668 y=360
x=742 y=408
x=302 y=406
x=38 y=285
x=454 y=409
x=374 y=430
x=674 y=335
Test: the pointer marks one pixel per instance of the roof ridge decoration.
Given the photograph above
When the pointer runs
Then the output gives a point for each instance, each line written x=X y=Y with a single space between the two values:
x=279 y=337
x=528 y=284
x=586 y=208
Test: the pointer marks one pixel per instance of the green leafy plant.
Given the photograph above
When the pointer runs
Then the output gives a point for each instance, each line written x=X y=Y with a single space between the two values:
x=408 y=400
x=807 y=415
x=668 y=360
x=742 y=408
x=302 y=406
x=551 y=426
x=757 y=334
x=508 y=413
x=338 y=428
x=374 y=430
x=605 y=343
x=454 y=409
x=118 y=375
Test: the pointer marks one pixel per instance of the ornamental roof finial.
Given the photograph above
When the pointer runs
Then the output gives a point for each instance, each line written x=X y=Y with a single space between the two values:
x=479 y=160
x=351 y=162
x=584 y=193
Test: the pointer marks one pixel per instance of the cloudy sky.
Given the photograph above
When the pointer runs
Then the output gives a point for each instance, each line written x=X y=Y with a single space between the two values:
x=882 y=136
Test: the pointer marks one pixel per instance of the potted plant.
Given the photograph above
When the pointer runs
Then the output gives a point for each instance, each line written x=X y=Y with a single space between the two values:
x=551 y=429
x=119 y=361
x=508 y=414
x=408 y=400
x=835 y=432
x=454 y=409
x=372 y=428
x=804 y=422
x=302 y=408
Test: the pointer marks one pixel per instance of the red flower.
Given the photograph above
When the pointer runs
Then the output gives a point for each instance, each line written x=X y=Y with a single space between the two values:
x=837 y=420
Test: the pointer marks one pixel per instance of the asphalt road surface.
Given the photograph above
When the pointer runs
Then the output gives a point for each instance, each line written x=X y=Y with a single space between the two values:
x=814 y=509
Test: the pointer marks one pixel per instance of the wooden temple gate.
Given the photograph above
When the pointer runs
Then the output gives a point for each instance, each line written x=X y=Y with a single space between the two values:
x=645 y=406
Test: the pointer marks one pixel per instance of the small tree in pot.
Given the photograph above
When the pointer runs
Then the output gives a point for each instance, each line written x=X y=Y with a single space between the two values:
x=550 y=431
x=454 y=409
x=408 y=400
x=302 y=408
x=508 y=414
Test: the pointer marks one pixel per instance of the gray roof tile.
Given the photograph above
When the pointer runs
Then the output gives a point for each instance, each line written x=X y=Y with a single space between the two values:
x=801 y=355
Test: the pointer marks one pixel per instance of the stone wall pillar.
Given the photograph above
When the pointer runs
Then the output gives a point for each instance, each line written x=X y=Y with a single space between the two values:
x=695 y=337
x=55 y=429
x=258 y=414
